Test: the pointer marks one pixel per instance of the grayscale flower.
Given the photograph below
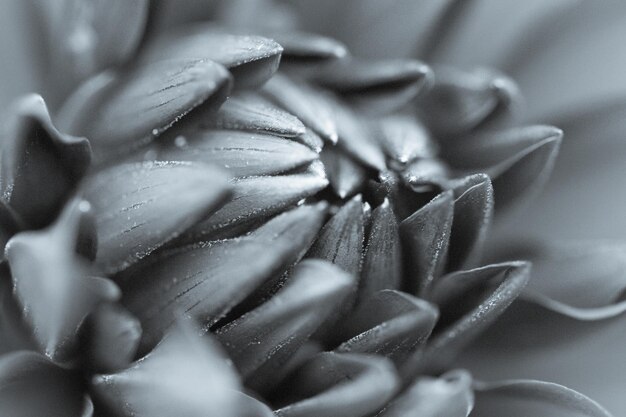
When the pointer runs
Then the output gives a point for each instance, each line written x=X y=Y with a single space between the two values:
x=279 y=210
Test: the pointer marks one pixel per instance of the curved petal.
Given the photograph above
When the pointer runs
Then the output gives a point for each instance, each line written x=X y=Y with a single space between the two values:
x=30 y=385
x=241 y=154
x=207 y=280
x=52 y=282
x=334 y=384
x=141 y=206
x=138 y=103
x=41 y=167
x=254 y=200
x=529 y=397
x=346 y=176
x=450 y=395
x=262 y=341
x=404 y=139
x=183 y=375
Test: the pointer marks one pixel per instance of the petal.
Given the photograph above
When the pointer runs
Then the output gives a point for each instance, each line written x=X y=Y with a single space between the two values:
x=184 y=375
x=521 y=397
x=253 y=113
x=463 y=101
x=135 y=213
x=138 y=103
x=584 y=280
x=345 y=175
x=382 y=261
x=239 y=153
x=388 y=323
x=334 y=384
x=110 y=337
x=425 y=237
x=262 y=341
x=427 y=174
x=473 y=211
x=305 y=103
x=52 y=285
x=307 y=49
x=404 y=139
x=207 y=280
x=30 y=385
x=14 y=333
x=255 y=199
x=447 y=396
x=376 y=86
x=251 y=59
x=457 y=328
x=85 y=38
x=41 y=166
x=311 y=139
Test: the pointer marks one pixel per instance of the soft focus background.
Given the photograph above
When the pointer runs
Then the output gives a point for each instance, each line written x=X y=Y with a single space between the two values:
x=569 y=58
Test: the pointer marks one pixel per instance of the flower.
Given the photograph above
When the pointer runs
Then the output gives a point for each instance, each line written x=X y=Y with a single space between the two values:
x=337 y=254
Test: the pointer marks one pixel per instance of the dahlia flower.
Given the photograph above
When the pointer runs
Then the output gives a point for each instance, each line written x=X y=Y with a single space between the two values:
x=256 y=208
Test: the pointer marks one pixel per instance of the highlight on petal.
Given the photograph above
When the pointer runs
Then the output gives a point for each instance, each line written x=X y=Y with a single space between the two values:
x=584 y=280
x=52 y=283
x=426 y=175
x=138 y=103
x=31 y=385
x=426 y=236
x=254 y=200
x=376 y=87
x=207 y=280
x=473 y=300
x=404 y=139
x=473 y=210
x=304 y=48
x=523 y=397
x=382 y=261
x=141 y=206
x=184 y=375
x=450 y=395
x=303 y=101
x=251 y=112
x=345 y=175
x=460 y=102
x=333 y=384
x=41 y=166
x=241 y=154
x=262 y=341
x=388 y=323
x=252 y=60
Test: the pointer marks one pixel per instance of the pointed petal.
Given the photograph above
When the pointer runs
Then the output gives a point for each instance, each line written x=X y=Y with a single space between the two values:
x=241 y=154
x=304 y=48
x=251 y=59
x=141 y=206
x=473 y=211
x=376 y=86
x=305 y=103
x=450 y=395
x=425 y=237
x=41 y=166
x=184 y=375
x=110 y=337
x=254 y=200
x=30 y=385
x=521 y=397
x=463 y=101
x=427 y=174
x=206 y=280
x=382 y=262
x=52 y=284
x=334 y=384
x=262 y=341
x=341 y=239
x=462 y=323
x=346 y=176
x=584 y=280
x=253 y=113
x=311 y=139
x=140 y=102
x=388 y=323
x=404 y=139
